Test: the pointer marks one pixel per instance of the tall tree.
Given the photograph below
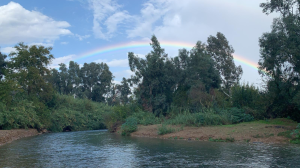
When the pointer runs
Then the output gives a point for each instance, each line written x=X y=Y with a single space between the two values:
x=194 y=69
x=124 y=90
x=280 y=57
x=96 y=80
x=28 y=66
x=2 y=65
x=74 y=77
x=154 y=77
x=220 y=50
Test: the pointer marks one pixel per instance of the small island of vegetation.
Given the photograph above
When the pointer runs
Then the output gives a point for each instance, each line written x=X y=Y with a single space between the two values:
x=167 y=97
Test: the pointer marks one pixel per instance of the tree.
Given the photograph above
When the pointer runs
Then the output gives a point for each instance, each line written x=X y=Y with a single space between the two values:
x=74 y=77
x=280 y=58
x=194 y=69
x=220 y=50
x=154 y=77
x=66 y=85
x=124 y=90
x=2 y=65
x=96 y=80
x=28 y=66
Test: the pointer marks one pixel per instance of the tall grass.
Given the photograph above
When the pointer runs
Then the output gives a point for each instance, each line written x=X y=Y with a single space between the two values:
x=208 y=117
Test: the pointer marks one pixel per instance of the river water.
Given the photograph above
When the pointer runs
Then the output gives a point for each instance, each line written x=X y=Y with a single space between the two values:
x=102 y=149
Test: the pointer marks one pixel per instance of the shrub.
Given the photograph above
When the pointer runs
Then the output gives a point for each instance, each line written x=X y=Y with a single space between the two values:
x=22 y=115
x=238 y=115
x=146 y=118
x=77 y=114
x=164 y=129
x=129 y=126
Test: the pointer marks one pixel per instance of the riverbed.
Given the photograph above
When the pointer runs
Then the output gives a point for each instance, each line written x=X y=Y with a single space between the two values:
x=103 y=149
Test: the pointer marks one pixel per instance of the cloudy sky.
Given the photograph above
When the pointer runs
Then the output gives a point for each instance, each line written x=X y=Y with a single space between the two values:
x=76 y=27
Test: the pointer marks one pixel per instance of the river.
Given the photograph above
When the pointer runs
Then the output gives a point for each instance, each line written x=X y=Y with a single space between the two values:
x=102 y=149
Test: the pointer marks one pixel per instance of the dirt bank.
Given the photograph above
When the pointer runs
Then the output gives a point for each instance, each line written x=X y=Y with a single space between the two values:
x=7 y=136
x=244 y=132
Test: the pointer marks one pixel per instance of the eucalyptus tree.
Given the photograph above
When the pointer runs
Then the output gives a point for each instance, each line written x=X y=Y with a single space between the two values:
x=65 y=81
x=154 y=77
x=2 y=65
x=194 y=69
x=280 y=58
x=96 y=80
x=74 y=77
x=220 y=50
x=55 y=80
x=125 y=91
x=28 y=66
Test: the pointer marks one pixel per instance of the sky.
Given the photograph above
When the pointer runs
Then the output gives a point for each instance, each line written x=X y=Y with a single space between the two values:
x=81 y=30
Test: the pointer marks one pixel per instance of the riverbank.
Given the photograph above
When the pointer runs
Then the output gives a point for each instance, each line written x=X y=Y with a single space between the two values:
x=273 y=131
x=7 y=136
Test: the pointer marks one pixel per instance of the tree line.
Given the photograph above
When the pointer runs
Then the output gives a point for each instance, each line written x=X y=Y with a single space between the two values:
x=204 y=77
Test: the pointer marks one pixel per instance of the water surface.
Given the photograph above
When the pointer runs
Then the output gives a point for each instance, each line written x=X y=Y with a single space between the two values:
x=102 y=149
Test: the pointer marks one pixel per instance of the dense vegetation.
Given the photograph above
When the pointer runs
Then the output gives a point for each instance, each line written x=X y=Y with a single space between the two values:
x=196 y=88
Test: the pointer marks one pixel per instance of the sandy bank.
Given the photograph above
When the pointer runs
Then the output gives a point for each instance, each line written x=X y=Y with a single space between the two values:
x=7 y=136
x=244 y=132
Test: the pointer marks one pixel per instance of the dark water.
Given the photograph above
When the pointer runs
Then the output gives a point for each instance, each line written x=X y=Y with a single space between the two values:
x=101 y=149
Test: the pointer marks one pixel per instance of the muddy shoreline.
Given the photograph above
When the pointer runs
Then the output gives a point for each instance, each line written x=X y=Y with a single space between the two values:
x=244 y=132
x=7 y=136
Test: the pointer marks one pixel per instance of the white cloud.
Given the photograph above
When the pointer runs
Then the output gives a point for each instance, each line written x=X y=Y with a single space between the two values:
x=64 y=59
x=64 y=43
x=82 y=37
x=152 y=12
x=126 y=74
x=115 y=62
x=107 y=13
x=18 y=24
x=7 y=50
x=41 y=44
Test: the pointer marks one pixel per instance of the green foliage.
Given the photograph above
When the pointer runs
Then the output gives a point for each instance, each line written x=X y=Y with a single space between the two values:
x=286 y=134
x=220 y=50
x=221 y=140
x=118 y=115
x=208 y=117
x=280 y=59
x=71 y=114
x=28 y=66
x=146 y=118
x=164 y=129
x=129 y=126
x=154 y=77
x=296 y=132
x=238 y=115
x=21 y=115
x=2 y=65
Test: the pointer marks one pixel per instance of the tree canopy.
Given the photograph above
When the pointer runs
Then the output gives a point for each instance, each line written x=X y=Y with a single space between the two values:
x=280 y=55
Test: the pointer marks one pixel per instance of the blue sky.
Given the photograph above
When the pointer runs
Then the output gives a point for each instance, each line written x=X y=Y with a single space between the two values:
x=74 y=27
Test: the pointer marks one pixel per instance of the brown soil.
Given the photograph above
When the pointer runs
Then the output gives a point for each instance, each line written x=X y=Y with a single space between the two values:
x=244 y=132
x=7 y=136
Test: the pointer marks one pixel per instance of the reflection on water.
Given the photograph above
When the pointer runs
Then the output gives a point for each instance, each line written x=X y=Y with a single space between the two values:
x=102 y=149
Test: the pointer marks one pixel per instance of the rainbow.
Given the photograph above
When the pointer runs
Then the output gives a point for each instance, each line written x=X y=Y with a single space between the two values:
x=139 y=44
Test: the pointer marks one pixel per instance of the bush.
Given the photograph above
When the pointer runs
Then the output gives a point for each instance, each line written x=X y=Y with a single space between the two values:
x=72 y=114
x=22 y=115
x=146 y=118
x=238 y=115
x=129 y=126
x=163 y=129
x=118 y=115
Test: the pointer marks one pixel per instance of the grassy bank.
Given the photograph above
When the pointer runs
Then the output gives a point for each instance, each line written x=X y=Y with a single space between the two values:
x=264 y=131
